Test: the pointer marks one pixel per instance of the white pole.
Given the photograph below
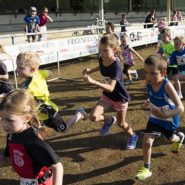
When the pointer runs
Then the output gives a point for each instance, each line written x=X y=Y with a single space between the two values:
x=168 y=10
x=57 y=5
x=101 y=10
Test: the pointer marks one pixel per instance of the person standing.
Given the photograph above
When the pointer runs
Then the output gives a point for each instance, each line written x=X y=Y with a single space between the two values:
x=31 y=23
x=151 y=18
x=123 y=23
x=44 y=17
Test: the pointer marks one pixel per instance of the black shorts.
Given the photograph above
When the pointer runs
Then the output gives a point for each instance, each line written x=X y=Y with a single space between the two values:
x=157 y=130
x=125 y=69
x=173 y=70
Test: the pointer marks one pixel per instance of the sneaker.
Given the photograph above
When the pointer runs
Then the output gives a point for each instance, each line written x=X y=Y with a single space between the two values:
x=129 y=82
x=143 y=173
x=177 y=145
x=82 y=111
x=106 y=126
x=131 y=142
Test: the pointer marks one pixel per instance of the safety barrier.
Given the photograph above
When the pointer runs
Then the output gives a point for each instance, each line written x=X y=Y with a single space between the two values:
x=71 y=47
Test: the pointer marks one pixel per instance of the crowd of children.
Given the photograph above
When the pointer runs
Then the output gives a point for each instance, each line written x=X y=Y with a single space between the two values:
x=25 y=111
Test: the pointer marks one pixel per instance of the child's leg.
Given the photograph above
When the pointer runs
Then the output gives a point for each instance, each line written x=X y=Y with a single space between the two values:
x=144 y=172
x=132 y=137
x=97 y=115
x=80 y=114
x=121 y=115
x=147 y=149
x=98 y=111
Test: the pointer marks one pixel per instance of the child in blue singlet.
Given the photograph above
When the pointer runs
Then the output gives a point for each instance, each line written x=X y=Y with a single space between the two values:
x=115 y=94
x=178 y=57
x=165 y=107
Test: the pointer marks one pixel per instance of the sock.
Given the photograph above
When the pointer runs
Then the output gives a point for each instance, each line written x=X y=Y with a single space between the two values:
x=147 y=165
x=74 y=119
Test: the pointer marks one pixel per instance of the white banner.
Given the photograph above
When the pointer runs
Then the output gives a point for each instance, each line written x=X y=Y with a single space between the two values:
x=79 y=46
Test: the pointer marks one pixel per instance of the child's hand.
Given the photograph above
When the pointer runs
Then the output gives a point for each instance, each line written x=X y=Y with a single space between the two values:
x=161 y=113
x=86 y=71
x=146 y=104
x=89 y=79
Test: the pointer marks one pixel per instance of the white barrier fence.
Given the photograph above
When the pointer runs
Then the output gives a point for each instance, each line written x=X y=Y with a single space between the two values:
x=53 y=51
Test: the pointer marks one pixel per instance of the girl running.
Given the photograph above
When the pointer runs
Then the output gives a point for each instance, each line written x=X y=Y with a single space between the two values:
x=32 y=159
x=114 y=92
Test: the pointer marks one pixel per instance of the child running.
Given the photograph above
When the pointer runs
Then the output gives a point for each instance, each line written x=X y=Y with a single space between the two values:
x=178 y=57
x=32 y=158
x=172 y=69
x=114 y=92
x=35 y=82
x=128 y=58
x=165 y=107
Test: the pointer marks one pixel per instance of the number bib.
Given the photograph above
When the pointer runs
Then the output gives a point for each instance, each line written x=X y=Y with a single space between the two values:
x=24 y=181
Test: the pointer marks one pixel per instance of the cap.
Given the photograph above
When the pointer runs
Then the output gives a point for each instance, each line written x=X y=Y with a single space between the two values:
x=33 y=9
x=162 y=25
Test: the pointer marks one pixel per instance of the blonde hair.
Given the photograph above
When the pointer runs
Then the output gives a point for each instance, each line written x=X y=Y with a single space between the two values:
x=20 y=102
x=111 y=41
x=29 y=58
x=167 y=32
x=180 y=39
x=125 y=38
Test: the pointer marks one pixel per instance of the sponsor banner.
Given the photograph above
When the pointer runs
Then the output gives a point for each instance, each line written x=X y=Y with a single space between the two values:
x=56 y=50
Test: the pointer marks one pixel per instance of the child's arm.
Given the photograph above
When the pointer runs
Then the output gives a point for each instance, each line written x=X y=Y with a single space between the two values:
x=50 y=19
x=4 y=77
x=107 y=87
x=136 y=53
x=172 y=93
x=170 y=90
x=89 y=71
x=58 y=171
x=4 y=161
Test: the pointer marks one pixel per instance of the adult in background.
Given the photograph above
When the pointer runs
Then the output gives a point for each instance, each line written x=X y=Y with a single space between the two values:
x=123 y=23
x=150 y=19
x=179 y=15
x=44 y=17
x=31 y=23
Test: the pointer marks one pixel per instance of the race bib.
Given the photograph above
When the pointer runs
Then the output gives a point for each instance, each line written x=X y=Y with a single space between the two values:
x=24 y=181
x=106 y=80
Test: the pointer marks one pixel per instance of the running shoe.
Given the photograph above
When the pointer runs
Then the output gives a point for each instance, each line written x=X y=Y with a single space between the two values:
x=143 y=173
x=177 y=145
x=106 y=126
x=131 y=142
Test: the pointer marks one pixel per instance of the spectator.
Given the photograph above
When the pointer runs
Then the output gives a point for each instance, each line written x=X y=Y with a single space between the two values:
x=179 y=15
x=31 y=23
x=150 y=19
x=123 y=23
x=44 y=17
x=174 y=19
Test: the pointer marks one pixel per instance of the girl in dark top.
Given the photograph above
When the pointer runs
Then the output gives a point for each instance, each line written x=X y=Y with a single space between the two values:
x=114 y=92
